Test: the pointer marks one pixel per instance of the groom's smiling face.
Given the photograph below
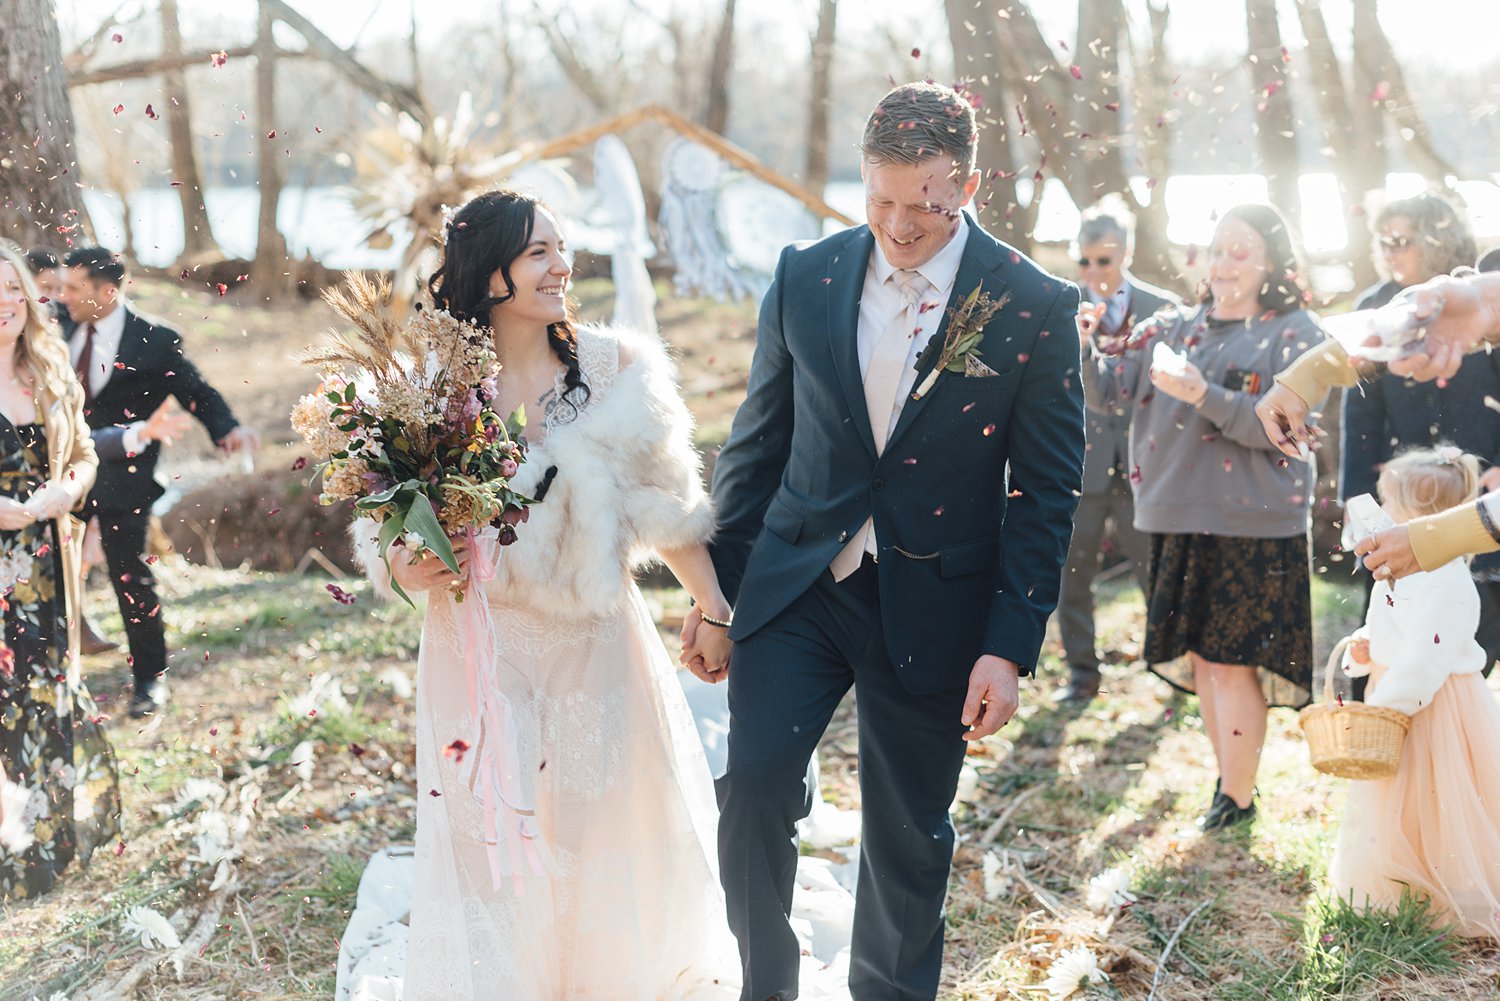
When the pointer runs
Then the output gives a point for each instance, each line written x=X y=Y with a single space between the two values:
x=913 y=208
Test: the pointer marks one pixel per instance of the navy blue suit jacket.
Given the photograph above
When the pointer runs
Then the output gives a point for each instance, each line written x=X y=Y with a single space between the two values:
x=149 y=366
x=973 y=497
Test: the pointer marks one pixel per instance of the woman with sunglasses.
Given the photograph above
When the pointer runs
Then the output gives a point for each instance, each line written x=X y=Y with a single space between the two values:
x=1415 y=240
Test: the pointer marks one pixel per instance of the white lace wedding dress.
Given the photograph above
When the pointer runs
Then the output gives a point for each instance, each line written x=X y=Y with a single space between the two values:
x=630 y=905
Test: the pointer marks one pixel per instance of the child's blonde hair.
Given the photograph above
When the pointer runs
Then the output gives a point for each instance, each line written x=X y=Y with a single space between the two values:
x=1429 y=480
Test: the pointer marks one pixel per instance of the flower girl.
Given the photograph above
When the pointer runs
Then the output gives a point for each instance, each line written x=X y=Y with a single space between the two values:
x=1434 y=827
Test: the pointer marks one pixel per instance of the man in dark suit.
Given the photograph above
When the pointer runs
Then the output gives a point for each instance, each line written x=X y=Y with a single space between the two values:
x=1106 y=239
x=890 y=524
x=128 y=366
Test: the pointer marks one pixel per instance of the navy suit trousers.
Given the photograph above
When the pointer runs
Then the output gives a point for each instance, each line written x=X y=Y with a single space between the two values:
x=785 y=682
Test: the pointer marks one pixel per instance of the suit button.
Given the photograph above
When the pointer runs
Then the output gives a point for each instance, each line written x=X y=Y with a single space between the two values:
x=879 y=483
x=843 y=536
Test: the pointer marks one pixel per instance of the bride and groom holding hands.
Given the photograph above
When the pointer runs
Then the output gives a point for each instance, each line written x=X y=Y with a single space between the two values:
x=890 y=513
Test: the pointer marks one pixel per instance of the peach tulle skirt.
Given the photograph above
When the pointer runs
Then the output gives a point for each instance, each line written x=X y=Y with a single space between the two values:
x=1435 y=825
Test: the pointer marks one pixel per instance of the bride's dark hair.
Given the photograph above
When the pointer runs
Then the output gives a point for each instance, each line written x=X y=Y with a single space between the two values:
x=486 y=236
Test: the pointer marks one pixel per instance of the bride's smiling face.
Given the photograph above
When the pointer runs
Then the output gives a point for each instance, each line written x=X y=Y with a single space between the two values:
x=540 y=275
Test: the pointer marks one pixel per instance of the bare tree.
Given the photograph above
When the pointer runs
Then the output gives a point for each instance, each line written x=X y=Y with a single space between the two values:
x=816 y=177
x=1274 y=125
x=1359 y=168
x=197 y=236
x=716 y=116
x=269 y=272
x=1373 y=49
x=39 y=196
x=1096 y=94
x=1152 y=133
x=976 y=35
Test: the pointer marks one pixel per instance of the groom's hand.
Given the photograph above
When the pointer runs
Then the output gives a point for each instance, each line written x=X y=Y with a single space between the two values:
x=994 y=695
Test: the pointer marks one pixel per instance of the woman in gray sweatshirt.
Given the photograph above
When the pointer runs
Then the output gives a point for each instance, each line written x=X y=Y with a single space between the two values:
x=1228 y=514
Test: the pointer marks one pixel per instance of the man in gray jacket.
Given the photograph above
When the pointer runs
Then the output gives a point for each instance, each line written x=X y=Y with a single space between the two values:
x=1105 y=242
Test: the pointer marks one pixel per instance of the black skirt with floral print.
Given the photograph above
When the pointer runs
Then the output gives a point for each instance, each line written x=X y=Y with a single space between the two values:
x=1232 y=601
x=51 y=743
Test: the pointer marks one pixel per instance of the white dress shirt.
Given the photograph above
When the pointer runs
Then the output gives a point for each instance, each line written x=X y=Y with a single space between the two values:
x=881 y=300
x=108 y=331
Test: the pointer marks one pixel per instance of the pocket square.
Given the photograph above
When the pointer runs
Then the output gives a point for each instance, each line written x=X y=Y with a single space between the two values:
x=976 y=369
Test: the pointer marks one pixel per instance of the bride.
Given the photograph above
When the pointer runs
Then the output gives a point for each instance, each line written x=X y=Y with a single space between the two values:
x=628 y=904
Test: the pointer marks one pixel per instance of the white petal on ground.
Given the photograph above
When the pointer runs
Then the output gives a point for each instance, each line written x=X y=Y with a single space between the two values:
x=968 y=785
x=302 y=760
x=154 y=931
x=1109 y=890
x=207 y=793
x=1071 y=972
x=997 y=881
x=15 y=832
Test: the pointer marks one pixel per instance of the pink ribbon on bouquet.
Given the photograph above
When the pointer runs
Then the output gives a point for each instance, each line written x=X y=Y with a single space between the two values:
x=511 y=834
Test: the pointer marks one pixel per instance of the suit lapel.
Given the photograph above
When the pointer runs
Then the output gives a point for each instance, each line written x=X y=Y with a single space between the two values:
x=131 y=352
x=981 y=264
x=846 y=274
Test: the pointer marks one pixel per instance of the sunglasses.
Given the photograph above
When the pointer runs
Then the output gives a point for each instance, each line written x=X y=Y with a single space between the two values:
x=1394 y=243
x=1102 y=262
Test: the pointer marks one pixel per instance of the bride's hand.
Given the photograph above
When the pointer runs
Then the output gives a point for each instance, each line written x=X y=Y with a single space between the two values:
x=424 y=571
x=709 y=659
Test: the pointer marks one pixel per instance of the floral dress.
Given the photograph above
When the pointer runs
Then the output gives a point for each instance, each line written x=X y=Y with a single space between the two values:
x=51 y=744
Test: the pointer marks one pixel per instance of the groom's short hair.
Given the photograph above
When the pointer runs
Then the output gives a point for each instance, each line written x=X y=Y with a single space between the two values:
x=918 y=121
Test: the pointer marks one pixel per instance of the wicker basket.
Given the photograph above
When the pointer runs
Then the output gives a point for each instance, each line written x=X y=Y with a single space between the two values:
x=1352 y=740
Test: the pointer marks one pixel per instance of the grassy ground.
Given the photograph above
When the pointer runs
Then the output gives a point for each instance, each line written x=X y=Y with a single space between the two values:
x=280 y=686
x=297 y=707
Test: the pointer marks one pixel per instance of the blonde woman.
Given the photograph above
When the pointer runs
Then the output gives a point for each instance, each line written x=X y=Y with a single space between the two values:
x=49 y=747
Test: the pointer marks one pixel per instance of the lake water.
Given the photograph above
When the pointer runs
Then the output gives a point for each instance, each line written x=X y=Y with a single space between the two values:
x=320 y=221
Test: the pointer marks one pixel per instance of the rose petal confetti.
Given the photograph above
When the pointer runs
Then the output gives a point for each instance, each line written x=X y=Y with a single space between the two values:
x=456 y=751
x=340 y=595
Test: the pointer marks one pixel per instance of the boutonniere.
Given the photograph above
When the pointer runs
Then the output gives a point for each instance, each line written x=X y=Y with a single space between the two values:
x=966 y=323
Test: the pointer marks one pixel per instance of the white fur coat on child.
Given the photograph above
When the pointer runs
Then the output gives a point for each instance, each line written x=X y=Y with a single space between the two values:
x=628 y=483
x=1420 y=632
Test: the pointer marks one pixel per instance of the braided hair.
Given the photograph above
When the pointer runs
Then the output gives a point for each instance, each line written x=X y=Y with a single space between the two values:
x=486 y=236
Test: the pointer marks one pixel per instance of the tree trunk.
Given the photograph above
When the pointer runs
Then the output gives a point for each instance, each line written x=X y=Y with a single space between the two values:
x=974 y=32
x=816 y=177
x=269 y=272
x=1153 y=98
x=1349 y=160
x=1395 y=97
x=1274 y=128
x=717 y=115
x=1367 y=113
x=40 y=201
x=197 y=238
x=1096 y=97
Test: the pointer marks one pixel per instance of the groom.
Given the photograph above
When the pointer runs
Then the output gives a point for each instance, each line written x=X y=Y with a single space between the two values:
x=886 y=531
